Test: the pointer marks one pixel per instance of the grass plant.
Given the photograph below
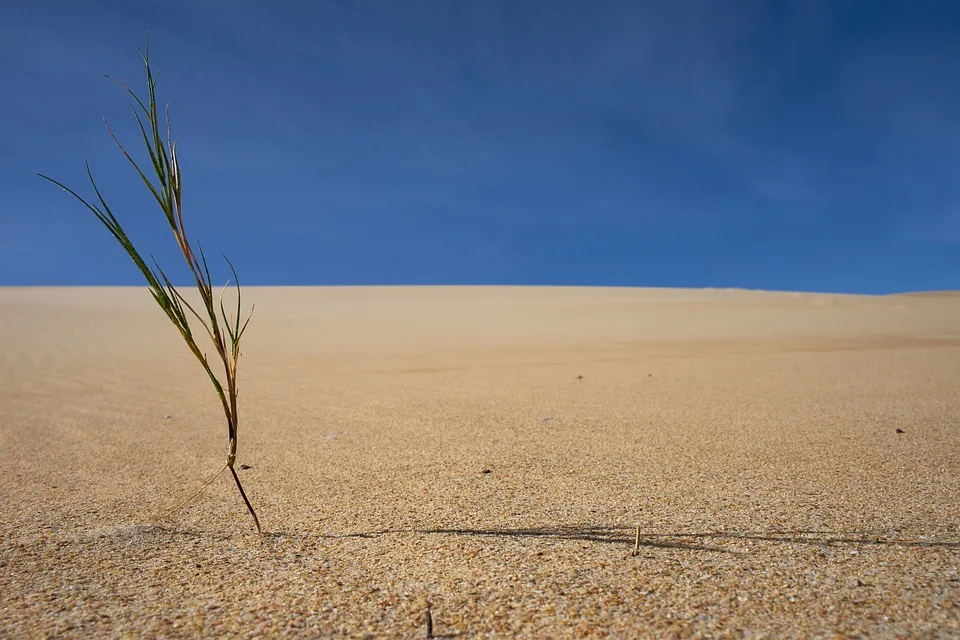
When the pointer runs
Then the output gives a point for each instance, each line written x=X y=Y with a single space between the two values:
x=224 y=331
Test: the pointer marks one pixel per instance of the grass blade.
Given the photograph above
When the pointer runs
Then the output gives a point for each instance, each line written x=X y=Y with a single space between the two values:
x=167 y=192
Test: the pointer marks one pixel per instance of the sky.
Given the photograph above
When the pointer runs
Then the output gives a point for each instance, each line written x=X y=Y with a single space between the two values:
x=803 y=146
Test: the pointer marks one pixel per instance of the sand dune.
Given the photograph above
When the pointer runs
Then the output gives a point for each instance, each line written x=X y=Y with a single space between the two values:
x=931 y=294
x=490 y=450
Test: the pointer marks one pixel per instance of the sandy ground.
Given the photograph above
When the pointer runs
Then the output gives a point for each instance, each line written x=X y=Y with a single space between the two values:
x=491 y=451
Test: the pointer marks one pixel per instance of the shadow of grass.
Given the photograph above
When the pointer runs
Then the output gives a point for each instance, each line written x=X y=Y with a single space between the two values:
x=617 y=535
x=601 y=534
x=673 y=540
x=614 y=535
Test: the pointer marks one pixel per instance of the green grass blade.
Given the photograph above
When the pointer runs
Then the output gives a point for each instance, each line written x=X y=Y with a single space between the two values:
x=167 y=192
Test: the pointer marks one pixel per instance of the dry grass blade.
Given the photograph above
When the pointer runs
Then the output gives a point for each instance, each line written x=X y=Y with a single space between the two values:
x=167 y=192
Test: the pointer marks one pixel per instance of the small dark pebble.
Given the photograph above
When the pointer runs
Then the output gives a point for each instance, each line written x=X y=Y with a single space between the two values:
x=579 y=377
x=245 y=467
x=899 y=430
x=486 y=471
x=168 y=417
x=649 y=375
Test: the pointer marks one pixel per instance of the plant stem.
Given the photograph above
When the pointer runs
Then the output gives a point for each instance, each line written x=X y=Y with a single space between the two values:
x=243 y=495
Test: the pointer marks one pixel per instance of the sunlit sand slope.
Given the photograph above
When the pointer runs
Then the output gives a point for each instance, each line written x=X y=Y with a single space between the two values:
x=792 y=462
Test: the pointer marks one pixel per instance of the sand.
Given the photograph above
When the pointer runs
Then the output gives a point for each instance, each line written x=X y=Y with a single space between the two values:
x=490 y=451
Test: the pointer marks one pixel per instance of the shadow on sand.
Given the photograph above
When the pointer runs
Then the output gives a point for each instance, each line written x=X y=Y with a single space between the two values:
x=691 y=541
x=626 y=536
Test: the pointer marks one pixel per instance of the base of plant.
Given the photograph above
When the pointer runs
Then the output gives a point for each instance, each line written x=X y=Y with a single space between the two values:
x=236 y=478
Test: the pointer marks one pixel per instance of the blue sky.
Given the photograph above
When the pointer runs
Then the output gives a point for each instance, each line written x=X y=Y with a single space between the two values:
x=810 y=145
